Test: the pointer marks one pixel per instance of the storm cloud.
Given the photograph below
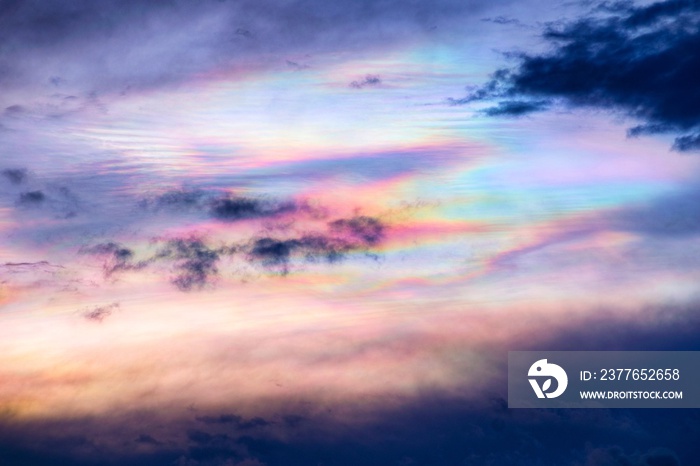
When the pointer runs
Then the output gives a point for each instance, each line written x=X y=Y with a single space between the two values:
x=638 y=60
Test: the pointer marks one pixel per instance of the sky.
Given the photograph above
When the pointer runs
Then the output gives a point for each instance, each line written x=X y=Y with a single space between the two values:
x=306 y=232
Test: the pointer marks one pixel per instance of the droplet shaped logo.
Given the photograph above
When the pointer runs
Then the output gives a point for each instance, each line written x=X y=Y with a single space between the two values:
x=542 y=370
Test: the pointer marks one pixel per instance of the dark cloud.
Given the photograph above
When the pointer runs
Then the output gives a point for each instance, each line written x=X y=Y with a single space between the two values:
x=616 y=6
x=147 y=440
x=431 y=428
x=357 y=233
x=110 y=248
x=215 y=449
x=55 y=200
x=232 y=208
x=176 y=199
x=292 y=420
x=367 y=230
x=325 y=247
x=15 y=175
x=235 y=421
x=640 y=60
x=517 y=108
x=276 y=254
x=643 y=130
x=32 y=197
x=297 y=66
x=689 y=142
x=117 y=257
x=14 y=110
x=221 y=419
x=243 y=32
x=495 y=87
x=226 y=207
x=273 y=252
x=369 y=80
x=100 y=313
x=501 y=20
x=616 y=456
x=434 y=430
x=195 y=262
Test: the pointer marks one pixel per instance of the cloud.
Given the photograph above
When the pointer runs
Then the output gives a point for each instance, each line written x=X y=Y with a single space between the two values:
x=235 y=420
x=100 y=313
x=273 y=252
x=367 y=230
x=110 y=248
x=224 y=207
x=56 y=200
x=616 y=456
x=517 y=108
x=369 y=80
x=502 y=20
x=233 y=208
x=219 y=449
x=175 y=199
x=147 y=440
x=297 y=66
x=343 y=236
x=638 y=60
x=195 y=262
x=428 y=427
x=116 y=46
x=15 y=175
x=643 y=130
x=35 y=274
x=687 y=143
x=30 y=265
x=32 y=197
x=117 y=257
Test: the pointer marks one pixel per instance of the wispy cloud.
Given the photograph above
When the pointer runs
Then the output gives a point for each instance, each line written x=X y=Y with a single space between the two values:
x=100 y=313
x=369 y=80
x=148 y=44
